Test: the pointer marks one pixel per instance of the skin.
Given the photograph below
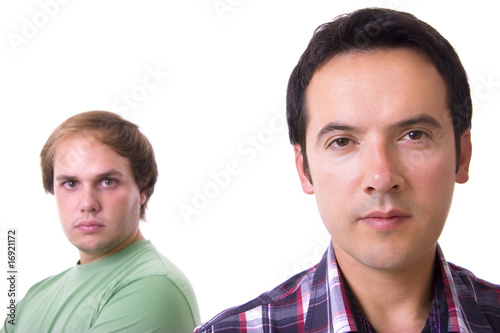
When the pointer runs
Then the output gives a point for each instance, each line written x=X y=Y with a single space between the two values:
x=381 y=152
x=97 y=197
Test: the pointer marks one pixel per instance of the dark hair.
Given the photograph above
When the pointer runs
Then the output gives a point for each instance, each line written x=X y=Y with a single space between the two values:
x=372 y=29
x=112 y=130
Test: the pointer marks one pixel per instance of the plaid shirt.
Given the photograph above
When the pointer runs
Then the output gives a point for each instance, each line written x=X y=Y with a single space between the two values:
x=316 y=301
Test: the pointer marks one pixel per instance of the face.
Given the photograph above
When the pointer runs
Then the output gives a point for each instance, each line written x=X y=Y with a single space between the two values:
x=97 y=197
x=381 y=152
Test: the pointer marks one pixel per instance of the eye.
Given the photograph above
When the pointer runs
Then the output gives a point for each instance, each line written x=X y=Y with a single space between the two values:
x=416 y=135
x=340 y=142
x=70 y=184
x=108 y=182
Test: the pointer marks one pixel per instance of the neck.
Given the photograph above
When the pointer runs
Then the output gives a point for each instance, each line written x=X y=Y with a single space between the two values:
x=391 y=300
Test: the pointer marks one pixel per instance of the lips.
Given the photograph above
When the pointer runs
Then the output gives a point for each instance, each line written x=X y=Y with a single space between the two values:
x=385 y=220
x=89 y=227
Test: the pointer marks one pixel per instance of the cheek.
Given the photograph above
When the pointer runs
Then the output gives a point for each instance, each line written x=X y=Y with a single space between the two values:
x=335 y=176
x=125 y=201
x=434 y=181
x=65 y=211
x=335 y=187
x=62 y=202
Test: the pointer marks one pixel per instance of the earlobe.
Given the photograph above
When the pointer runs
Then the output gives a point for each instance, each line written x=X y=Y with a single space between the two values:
x=307 y=187
x=462 y=175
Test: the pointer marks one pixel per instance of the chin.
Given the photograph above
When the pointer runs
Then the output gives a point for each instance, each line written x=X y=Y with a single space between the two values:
x=93 y=248
x=393 y=266
x=393 y=260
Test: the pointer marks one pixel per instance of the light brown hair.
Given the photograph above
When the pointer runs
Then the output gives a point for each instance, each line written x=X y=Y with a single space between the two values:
x=112 y=130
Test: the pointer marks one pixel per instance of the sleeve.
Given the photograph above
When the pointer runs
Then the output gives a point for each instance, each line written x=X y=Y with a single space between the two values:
x=152 y=304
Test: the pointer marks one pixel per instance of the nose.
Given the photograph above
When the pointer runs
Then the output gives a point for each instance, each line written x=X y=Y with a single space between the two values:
x=89 y=201
x=383 y=171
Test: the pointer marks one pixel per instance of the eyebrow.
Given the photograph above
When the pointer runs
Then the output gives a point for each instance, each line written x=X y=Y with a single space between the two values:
x=332 y=127
x=99 y=176
x=419 y=119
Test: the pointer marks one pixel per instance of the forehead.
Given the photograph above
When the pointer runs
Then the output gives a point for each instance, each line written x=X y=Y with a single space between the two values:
x=375 y=86
x=84 y=153
x=79 y=143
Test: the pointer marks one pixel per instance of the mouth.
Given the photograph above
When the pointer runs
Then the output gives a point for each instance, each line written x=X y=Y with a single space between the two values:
x=385 y=220
x=89 y=227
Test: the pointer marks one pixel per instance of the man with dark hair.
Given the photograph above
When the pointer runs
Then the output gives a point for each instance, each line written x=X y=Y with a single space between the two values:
x=102 y=171
x=379 y=113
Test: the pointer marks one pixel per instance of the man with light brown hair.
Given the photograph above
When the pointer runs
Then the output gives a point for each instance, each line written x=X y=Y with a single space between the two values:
x=102 y=171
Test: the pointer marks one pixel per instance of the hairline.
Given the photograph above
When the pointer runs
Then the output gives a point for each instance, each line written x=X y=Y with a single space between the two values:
x=353 y=51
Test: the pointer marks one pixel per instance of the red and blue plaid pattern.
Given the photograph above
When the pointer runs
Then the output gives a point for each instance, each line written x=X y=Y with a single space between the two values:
x=315 y=301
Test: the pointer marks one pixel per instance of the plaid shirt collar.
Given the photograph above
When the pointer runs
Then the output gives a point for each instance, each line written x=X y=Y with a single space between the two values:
x=342 y=319
x=340 y=311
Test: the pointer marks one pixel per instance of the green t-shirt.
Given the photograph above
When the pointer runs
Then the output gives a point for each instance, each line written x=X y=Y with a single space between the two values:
x=134 y=290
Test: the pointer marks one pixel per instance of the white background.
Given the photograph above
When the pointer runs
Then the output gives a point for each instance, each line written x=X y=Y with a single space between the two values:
x=218 y=99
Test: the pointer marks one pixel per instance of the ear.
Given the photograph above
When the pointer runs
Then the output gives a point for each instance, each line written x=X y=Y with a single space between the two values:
x=462 y=175
x=142 y=197
x=307 y=187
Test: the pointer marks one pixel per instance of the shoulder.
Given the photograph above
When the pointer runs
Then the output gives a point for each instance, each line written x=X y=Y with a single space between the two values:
x=142 y=260
x=47 y=284
x=150 y=304
x=153 y=298
x=38 y=296
x=153 y=263
x=478 y=298
x=470 y=281
x=281 y=302
x=147 y=290
x=148 y=269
